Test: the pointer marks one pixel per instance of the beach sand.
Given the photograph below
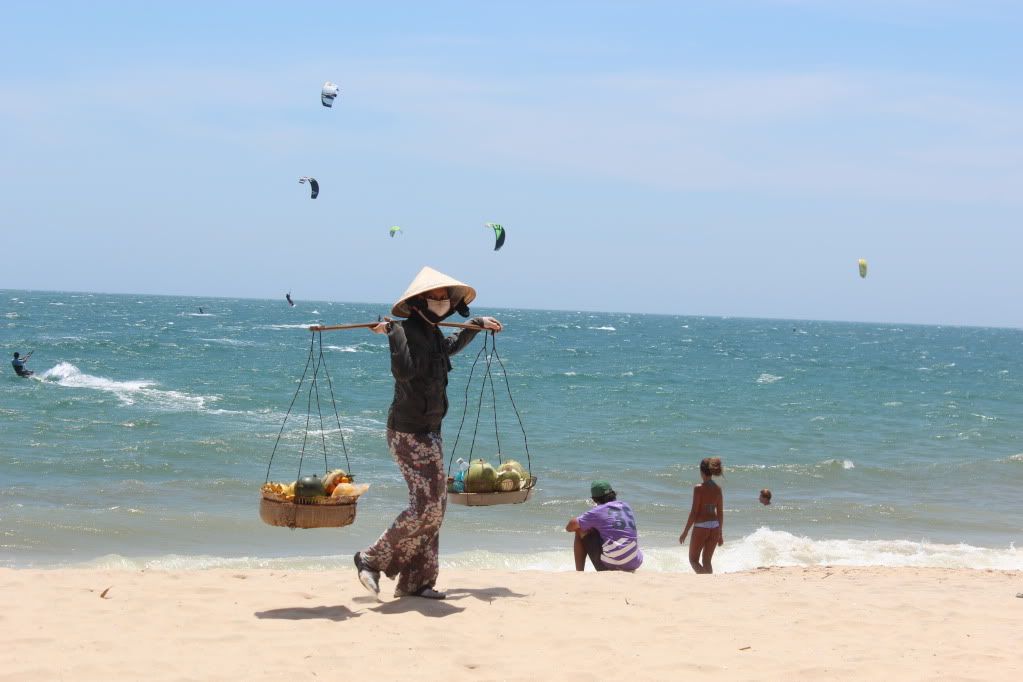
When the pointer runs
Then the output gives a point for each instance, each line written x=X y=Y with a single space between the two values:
x=769 y=624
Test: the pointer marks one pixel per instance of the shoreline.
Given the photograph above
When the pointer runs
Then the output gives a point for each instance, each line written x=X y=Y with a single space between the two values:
x=772 y=623
x=763 y=547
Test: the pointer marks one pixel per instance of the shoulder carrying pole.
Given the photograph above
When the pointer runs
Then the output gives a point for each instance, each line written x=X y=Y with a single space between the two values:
x=367 y=325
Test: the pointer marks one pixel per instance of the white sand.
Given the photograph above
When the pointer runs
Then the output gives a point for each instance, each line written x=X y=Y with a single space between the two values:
x=770 y=624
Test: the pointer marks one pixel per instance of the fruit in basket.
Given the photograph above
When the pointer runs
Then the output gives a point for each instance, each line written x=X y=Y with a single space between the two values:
x=508 y=481
x=512 y=465
x=280 y=490
x=333 y=478
x=308 y=487
x=480 y=478
x=349 y=490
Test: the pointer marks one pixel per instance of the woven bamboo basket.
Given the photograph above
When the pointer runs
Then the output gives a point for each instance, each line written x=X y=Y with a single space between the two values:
x=332 y=512
x=491 y=499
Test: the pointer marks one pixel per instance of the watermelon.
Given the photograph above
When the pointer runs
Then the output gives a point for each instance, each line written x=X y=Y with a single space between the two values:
x=308 y=487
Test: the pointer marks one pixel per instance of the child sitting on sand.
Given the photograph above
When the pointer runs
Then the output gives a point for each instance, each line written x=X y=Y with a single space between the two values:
x=606 y=533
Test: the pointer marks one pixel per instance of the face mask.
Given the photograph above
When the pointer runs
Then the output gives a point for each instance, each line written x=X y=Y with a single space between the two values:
x=438 y=308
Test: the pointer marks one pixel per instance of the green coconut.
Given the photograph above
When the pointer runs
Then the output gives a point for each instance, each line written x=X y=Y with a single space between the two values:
x=480 y=478
x=512 y=465
x=508 y=481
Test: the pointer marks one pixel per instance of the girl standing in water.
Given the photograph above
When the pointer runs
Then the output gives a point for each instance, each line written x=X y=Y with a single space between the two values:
x=706 y=518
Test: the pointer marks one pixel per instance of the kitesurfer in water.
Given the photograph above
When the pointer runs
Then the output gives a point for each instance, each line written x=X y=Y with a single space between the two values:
x=288 y=296
x=420 y=364
x=18 y=363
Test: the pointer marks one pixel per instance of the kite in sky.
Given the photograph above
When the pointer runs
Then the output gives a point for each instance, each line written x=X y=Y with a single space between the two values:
x=327 y=94
x=313 y=186
x=499 y=234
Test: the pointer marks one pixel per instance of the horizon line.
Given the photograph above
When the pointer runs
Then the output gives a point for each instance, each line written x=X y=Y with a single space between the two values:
x=549 y=310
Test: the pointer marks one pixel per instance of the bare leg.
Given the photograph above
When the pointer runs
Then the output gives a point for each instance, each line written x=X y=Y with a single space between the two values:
x=708 y=549
x=698 y=544
x=579 y=549
x=589 y=544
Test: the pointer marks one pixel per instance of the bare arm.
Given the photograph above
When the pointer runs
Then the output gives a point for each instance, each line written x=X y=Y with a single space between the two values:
x=721 y=517
x=692 y=515
x=572 y=526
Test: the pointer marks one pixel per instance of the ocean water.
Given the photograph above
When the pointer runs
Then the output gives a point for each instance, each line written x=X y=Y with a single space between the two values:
x=147 y=430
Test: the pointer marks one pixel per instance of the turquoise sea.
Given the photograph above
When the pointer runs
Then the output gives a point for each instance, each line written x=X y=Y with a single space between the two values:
x=145 y=434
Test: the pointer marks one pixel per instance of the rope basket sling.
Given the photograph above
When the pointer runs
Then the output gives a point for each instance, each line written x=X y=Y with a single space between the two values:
x=528 y=481
x=279 y=509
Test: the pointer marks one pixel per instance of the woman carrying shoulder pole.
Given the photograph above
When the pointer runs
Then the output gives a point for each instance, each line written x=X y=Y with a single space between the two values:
x=409 y=549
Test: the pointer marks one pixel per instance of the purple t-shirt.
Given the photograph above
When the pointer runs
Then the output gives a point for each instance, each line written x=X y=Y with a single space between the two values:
x=617 y=528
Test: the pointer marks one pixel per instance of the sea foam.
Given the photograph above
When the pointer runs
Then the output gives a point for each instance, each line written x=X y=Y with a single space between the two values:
x=127 y=392
x=764 y=547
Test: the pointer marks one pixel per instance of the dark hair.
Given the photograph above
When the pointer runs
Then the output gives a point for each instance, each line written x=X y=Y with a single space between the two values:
x=15 y=353
x=711 y=466
x=765 y=493
x=604 y=499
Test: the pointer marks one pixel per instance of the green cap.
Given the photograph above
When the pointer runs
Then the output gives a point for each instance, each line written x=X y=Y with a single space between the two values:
x=600 y=489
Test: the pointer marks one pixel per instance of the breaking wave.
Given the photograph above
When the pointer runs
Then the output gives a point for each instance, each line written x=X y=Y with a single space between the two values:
x=127 y=392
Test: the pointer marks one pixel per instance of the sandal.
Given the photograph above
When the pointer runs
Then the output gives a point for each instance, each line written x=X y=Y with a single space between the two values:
x=369 y=578
x=425 y=593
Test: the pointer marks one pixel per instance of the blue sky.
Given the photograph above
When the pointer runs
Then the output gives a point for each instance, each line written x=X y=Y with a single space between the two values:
x=710 y=158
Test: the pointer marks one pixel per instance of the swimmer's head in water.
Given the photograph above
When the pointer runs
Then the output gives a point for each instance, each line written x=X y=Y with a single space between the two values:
x=765 y=496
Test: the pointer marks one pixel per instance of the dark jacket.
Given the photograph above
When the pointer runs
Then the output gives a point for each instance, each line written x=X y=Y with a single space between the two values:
x=420 y=365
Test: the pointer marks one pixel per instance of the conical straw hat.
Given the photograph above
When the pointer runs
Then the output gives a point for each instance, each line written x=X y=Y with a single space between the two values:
x=428 y=279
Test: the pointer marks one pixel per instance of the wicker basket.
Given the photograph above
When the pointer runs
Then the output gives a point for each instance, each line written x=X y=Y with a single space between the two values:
x=330 y=513
x=490 y=499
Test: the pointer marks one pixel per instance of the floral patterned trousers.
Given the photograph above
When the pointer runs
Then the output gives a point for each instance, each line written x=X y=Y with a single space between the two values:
x=409 y=549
